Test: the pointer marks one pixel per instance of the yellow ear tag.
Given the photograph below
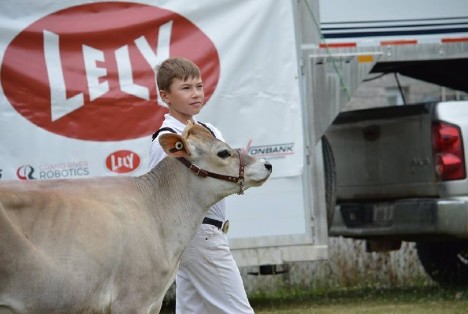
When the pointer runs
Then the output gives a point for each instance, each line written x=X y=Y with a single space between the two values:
x=179 y=145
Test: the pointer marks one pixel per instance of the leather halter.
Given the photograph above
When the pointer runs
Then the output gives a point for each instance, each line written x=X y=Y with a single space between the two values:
x=203 y=173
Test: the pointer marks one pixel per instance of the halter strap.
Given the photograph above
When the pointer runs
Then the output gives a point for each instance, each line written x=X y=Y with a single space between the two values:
x=204 y=173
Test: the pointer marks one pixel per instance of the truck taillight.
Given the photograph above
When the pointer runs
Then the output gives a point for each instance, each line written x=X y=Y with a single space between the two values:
x=449 y=158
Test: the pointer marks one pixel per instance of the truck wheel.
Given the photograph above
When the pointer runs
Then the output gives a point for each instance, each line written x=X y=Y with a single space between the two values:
x=445 y=262
x=330 y=179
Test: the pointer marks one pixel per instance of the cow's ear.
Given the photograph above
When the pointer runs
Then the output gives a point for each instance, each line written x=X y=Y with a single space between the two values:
x=174 y=145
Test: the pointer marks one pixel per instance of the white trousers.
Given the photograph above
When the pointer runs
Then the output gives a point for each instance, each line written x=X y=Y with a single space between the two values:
x=208 y=279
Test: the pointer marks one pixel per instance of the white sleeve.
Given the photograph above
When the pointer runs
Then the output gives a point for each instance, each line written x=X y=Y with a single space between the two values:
x=217 y=132
x=156 y=153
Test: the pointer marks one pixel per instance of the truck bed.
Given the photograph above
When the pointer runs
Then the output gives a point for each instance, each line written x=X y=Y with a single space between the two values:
x=384 y=153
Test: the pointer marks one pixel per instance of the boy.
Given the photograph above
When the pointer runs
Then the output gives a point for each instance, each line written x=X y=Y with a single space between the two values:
x=208 y=279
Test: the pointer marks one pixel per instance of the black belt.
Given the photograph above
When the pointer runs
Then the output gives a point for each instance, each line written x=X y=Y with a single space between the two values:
x=223 y=226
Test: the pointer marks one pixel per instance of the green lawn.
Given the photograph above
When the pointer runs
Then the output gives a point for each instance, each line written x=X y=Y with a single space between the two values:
x=377 y=301
x=425 y=299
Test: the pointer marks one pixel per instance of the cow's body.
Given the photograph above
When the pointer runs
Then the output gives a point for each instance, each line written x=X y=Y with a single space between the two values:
x=101 y=245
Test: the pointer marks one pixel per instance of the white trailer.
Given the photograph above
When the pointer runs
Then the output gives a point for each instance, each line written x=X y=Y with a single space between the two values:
x=78 y=99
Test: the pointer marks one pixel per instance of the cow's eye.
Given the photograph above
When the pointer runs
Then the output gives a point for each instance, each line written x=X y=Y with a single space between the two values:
x=224 y=154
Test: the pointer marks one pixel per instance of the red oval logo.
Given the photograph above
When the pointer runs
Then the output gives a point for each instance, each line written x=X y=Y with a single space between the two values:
x=123 y=161
x=86 y=72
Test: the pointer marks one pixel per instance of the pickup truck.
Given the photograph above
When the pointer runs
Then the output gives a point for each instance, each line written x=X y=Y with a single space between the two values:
x=401 y=176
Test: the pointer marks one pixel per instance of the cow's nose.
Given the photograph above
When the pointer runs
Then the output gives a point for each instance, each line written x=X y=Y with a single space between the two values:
x=268 y=166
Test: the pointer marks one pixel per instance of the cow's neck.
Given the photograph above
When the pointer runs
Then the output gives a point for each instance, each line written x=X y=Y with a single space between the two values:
x=179 y=201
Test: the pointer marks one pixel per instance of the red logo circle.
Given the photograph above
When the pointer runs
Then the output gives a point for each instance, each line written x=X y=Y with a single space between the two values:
x=123 y=161
x=86 y=72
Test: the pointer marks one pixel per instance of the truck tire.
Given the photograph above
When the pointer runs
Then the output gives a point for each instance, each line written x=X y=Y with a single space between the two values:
x=330 y=179
x=445 y=262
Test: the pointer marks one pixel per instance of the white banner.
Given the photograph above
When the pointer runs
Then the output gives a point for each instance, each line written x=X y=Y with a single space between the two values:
x=77 y=91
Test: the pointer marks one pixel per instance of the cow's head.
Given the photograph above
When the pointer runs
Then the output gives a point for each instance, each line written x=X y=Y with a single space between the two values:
x=207 y=156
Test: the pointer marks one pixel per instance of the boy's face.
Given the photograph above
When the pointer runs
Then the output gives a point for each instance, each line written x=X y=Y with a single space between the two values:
x=184 y=98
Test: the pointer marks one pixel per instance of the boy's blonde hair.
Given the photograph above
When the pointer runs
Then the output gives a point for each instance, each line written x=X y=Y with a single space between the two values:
x=175 y=68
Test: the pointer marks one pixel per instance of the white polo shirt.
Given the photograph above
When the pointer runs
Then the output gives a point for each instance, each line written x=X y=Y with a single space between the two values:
x=156 y=154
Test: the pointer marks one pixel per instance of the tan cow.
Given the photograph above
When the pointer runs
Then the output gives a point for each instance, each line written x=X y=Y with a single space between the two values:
x=111 y=245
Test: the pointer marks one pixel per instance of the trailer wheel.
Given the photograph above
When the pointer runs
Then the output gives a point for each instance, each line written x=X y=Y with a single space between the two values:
x=330 y=179
x=445 y=262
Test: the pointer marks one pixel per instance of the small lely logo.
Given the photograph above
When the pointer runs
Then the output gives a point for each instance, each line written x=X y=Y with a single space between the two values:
x=123 y=161
x=25 y=172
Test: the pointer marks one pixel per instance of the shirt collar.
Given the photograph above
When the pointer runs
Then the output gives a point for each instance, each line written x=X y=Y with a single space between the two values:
x=174 y=123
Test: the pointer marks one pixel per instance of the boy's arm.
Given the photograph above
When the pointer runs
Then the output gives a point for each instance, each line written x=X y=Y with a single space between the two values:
x=217 y=132
x=156 y=153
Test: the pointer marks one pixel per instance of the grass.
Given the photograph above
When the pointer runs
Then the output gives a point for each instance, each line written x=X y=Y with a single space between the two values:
x=351 y=281
x=407 y=300
x=420 y=299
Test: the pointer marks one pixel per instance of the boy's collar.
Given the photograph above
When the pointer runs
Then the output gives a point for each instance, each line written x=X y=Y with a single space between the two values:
x=178 y=122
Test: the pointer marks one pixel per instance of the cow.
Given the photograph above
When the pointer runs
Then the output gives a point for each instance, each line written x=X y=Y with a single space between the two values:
x=112 y=244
